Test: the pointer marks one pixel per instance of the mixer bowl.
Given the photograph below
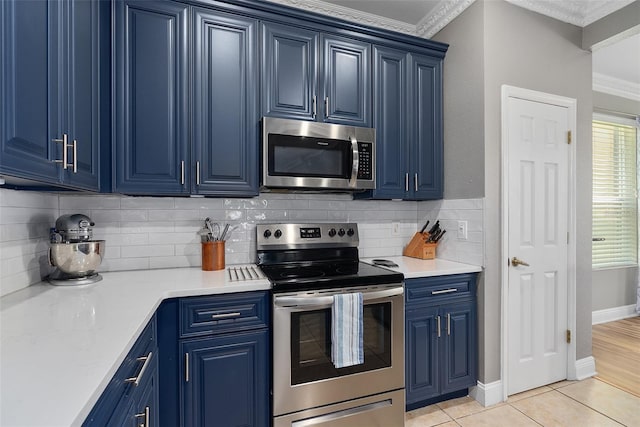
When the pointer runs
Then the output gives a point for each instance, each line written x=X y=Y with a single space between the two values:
x=77 y=259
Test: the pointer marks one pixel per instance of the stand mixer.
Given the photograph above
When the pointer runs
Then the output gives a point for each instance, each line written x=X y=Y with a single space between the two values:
x=73 y=252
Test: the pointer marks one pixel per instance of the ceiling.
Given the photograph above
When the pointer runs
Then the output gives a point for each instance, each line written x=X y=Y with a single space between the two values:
x=615 y=64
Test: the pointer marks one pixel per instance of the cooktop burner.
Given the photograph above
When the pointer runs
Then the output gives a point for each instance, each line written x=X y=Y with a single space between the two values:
x=316 y=256
x=305 y=277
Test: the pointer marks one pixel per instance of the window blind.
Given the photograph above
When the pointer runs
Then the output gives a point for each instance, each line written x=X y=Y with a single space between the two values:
x=615 y=205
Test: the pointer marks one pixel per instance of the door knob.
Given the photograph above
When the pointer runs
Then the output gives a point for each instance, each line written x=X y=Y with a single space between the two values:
x=516 y=262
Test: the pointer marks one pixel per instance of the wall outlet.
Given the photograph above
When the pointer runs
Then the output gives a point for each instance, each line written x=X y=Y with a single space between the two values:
x=395 y=228
x=462 y=230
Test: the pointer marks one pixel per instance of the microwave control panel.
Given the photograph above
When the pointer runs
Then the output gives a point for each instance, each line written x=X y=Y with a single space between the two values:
x=365 y=159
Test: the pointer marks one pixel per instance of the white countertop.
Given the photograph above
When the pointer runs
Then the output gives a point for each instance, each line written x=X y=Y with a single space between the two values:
x=413 y=267
x=60 y=346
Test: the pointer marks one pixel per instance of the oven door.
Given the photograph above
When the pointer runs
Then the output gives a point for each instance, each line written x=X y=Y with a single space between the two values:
x=303 y=374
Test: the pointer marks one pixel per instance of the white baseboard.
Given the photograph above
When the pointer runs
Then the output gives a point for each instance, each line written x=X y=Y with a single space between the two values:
x=487 y=394
x=611 y=314
x=585 y=368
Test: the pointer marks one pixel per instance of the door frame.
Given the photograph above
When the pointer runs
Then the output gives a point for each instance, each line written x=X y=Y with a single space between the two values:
x=571 y=105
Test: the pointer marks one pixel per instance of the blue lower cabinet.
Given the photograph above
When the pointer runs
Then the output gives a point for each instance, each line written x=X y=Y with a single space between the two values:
x=441 y=338
x=226 y=380
x=131 y=397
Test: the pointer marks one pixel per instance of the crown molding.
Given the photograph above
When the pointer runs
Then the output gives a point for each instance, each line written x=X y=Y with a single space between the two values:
x=445 y=12
x=576 y=12
x=617 y=87
x=350 y=15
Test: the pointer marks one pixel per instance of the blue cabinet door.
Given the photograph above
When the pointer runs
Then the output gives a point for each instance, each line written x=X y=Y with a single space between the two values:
x=422 y=379
x=31 y=42
x=225 y=104
x=50 y=86
x=459 y=352
x=151 y=137
x=426 y=128
x=226 y=380
x=289 y=72
x=346 y=81
x=87 y=21
x=389 y=120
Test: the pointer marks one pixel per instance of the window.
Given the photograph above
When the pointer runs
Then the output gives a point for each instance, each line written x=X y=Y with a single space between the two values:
x=615 y=205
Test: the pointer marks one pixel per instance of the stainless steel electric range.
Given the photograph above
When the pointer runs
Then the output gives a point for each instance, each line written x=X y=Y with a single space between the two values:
x=308 y=264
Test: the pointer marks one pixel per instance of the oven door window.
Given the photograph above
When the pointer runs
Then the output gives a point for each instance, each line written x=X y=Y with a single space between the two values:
x=311 y=343
x=309 y=157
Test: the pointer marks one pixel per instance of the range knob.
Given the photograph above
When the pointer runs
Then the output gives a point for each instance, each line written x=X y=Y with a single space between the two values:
x=341 y=232
x=267 y=234
x=277 y=234
x=350 y=232
x=332 y=232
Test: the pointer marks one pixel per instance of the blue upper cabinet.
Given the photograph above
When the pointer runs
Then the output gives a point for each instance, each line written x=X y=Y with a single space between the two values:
x=186 y=112
x=407 y=115
x=300 y=81
x=50 y=86
x=289 y=72
x=225 y=104
x=425 y=134
x=346 y=81
x=151 y=134
x=389 y=118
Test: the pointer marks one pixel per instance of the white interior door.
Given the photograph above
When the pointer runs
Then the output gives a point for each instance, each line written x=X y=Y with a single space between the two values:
x=538 y=214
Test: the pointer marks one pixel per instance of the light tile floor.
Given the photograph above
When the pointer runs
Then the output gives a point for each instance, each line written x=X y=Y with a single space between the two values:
x=587 y=403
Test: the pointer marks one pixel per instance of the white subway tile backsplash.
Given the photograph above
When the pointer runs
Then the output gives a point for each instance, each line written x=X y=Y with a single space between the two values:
x=161 y=232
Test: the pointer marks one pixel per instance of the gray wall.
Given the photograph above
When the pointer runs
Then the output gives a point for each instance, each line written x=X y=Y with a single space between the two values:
x=528 y=50
x=464 y=106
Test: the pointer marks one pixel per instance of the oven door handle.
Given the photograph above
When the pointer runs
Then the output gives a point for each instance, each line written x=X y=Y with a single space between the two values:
x=289 y=301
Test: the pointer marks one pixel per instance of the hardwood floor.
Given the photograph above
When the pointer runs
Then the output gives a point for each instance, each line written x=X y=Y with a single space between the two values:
x=616 y=348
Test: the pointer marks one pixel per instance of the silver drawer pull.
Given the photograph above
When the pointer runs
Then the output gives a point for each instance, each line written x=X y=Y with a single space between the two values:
x=226 y=315
x=136 y=380
x=444 y=291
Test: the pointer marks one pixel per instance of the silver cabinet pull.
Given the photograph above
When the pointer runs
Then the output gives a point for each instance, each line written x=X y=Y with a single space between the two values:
x=444 y=291
x=198 y=172
x=406 y=181
x=313 y=107
x=415 y=181
x=448 y=323
x=136 y=380
x=182 y=172
x=145 y=414
x=65 y=147
x=75 y=156
x=438 y=325
x=326 y=107
x=186 y=367
x=226 y=315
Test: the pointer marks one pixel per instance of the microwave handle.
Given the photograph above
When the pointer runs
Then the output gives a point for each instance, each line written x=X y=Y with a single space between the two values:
x=356 y=162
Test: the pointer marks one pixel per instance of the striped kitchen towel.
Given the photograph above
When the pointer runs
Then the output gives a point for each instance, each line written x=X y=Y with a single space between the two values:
x=346 y=331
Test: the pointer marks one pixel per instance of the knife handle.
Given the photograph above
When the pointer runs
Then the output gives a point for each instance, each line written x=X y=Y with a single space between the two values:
x=424 y=227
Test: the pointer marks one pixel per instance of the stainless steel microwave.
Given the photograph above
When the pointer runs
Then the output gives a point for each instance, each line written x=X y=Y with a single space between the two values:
x=308 y=155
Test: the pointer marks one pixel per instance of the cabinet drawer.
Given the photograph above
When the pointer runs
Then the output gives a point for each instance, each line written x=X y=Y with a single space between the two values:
x=430 y=288
x=223 y=313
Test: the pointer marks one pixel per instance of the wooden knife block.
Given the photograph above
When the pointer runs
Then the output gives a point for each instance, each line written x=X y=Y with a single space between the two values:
x=417 y=248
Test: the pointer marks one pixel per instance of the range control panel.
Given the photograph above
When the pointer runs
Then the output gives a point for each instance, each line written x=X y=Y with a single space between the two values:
x=274 y=236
